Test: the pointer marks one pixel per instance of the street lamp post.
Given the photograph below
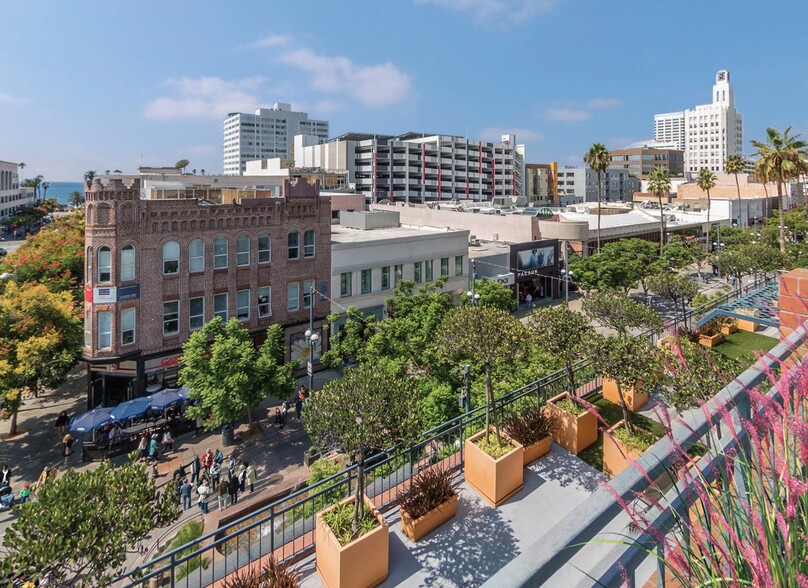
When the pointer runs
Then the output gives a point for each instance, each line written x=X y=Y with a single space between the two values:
x=568 y=275
x=311 y=338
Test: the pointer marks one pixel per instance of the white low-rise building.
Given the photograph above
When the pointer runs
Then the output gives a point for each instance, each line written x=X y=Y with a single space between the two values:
x=371 y=252
x=12 y=196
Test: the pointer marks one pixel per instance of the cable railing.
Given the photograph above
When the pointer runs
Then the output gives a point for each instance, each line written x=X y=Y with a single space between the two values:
x=284 y=529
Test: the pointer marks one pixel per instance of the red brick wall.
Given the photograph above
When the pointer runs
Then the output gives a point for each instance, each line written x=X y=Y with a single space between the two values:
x=793 y=302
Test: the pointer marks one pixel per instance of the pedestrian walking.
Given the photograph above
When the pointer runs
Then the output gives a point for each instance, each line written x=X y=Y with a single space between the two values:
x=280 y=417
x=143 y=446
x=185 y=493
x=61 y=424
x=25 y=493
x=231 y=465
x=298 y=407
x=529 y=300
x=196 y=468
x=168 y=441
x=251 y=477
x=218 y=456
x=242 y=476
x=203 y=493
x=5 y=475
x=177 y=491
x=232 y=489
x=207 y=459
x=67 y=447
x=153 y=445
x=215 y=472
x=222 y=491
x=200 y=424
x=285 y=407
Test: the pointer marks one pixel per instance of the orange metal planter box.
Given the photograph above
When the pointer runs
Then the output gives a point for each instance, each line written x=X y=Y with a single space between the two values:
x=574 y=432
x=416 y=529
x=537 y=450
x=363 y=563
x=635 y=399
x=616 y=456
x=496 y=480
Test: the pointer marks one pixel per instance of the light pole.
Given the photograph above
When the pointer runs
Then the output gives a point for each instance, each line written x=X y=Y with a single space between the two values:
x=568 y=275
x=311 y=339
x=473 y=298
x=465 y=397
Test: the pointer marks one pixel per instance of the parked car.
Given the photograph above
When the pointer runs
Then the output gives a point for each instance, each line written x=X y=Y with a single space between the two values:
x=3 y=252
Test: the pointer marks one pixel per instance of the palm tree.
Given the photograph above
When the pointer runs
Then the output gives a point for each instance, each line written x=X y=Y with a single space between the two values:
x=762 y=175
x=37 y=183
x=21 y=165
x=203 y=171
x=117 y=171
x=785 y=160
x=45 y=186
x=106 y=172
x=706 y=182
x=598 y=159
x=735 y=164
x=76 y=198
x=89 y=175
x=659 y=183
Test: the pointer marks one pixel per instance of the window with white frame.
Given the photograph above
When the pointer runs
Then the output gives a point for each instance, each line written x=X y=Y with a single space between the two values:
x=196 y=313
x=171 y=317
x=196 y=256
x=243 y=250
x=444 y=266
x=308 y=244
x=345 y=284
x=127 y=326
x=428 y=264
x=171 y=257
x=127 y=263
x=243 y=305
x=458 y=265
x=264 y=249
x=293 y=245
x=220 y=253
x=104 y=264
x=264 y=302
x=418 y=272
x=365 y=279
x=308 y=285
x=104 y=320
x=220 y=306
x=293 y=296
x=88 y=333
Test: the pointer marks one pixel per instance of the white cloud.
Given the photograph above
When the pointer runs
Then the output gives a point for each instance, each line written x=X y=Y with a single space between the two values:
x=566 y=115
x=204 y=98
x=326 y=106
x=372 y=85
x=494 y=134
x=604 y=103
x=5 y=97
x=486 y=11
x=201 y=149
x=271 y=41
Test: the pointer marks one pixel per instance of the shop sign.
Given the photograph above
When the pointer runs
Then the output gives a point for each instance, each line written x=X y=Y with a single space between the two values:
x=162 y=363
x=103 y=295
x=505 y=279
x=131 y=292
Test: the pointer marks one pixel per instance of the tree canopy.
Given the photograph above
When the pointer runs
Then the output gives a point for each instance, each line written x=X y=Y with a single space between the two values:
x=84 y=524
x=229 y=376
x=617 y=312
x=493 y=294
x=619 y=266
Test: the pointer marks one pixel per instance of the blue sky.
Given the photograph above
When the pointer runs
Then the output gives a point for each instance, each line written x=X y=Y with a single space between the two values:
x=102 y=84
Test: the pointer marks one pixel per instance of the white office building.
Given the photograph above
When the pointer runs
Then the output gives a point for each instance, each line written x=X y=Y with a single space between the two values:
x=418 y=167
x=709 y=133
x=12 y=196
x=266 y=134
x=580 y=184
x=669 y=129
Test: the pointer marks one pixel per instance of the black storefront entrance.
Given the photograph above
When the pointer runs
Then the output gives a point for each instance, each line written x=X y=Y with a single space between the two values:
x=536 y=270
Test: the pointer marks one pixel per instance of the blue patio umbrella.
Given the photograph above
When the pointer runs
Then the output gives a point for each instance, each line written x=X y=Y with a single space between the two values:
x=183 y=392
x=164 y=399
x=90 y=420
x=131 y=409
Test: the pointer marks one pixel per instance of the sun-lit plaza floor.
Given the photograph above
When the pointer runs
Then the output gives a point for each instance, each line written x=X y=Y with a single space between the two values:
x=480 y=539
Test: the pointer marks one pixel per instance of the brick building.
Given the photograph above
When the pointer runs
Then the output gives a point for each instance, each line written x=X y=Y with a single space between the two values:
x=159 y=269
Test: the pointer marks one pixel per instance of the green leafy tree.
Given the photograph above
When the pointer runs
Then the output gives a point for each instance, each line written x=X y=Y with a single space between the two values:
x=734 y=165
x=620 y=265
x=89 y=175
x=369 y=408
x=565 y=334
x=782 y=158
x=678 y=254
x=481 y=335
x=598 y=159
x=76 y=198
x=676 y=287
x=706 y=182
x=85 y=524
x=631 y=362
x=493 y=294
x=619 y=313
x=354 y=334
x=659 y=184
x=734 y=262
x=228 y=375
x=117 y=171
x=40 y=339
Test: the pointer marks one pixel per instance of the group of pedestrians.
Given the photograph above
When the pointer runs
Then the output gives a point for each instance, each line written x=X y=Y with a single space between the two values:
x=151 y=446
x=282 y=411
x=213 y=476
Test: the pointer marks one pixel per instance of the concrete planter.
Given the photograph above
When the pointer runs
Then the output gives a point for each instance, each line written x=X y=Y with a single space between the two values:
x=635 y=399
x=574 y=432
x=363 y=563
x=416 y=529
x=537 y=450
x=496 y=480
x=711 y=340
x=616 y=456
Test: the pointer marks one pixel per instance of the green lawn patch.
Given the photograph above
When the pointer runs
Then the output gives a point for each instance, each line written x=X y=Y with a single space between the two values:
x=743 y=345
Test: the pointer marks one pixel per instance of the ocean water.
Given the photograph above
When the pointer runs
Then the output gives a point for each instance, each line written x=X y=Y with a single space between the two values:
x=62 y=190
